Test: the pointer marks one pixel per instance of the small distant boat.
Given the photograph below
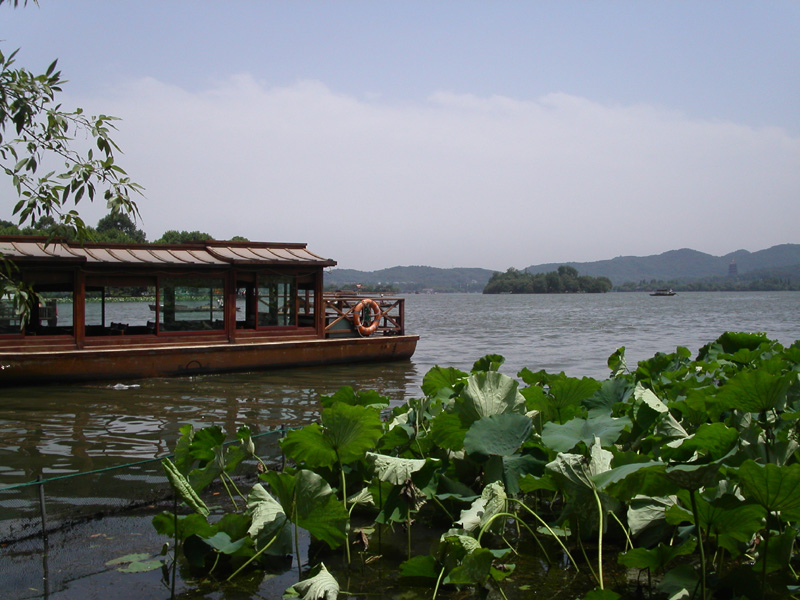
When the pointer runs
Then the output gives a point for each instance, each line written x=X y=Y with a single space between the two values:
x=663 y=292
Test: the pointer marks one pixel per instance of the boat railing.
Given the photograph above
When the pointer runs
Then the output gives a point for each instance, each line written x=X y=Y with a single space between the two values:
x=340 y=312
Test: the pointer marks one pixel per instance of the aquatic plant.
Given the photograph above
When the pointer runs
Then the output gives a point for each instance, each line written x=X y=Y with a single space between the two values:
x=685 y=470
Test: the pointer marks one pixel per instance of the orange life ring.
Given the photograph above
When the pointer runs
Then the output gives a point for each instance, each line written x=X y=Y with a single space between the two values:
x=376 y=316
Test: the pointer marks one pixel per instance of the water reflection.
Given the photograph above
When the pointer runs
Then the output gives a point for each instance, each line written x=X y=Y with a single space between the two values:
x=66 y=429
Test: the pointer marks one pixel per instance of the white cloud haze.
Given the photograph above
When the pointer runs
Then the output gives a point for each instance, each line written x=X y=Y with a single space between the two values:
x=456 y=180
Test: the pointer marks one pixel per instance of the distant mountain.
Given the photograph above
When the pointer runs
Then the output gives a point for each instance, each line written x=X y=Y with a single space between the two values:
x=683 y=265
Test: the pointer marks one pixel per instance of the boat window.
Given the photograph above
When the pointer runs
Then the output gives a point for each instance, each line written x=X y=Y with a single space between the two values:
x=52 y=314
x=9 y=319
x=276 y=301
x=120 y=310
x=191 y=304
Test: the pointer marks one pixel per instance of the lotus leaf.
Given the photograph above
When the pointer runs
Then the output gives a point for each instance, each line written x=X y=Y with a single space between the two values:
x=347 y=432
x=442 y=378
x=490 y=393
x=493 y=501
x=267 y=519
x=563 y=438
x=755 y=391
x=348 y=395
x=616 y=362
x=656 y=559
x=773 y=487
x=490 y=362
x=501 y=434
x=308 y=501
x=322 y=586
x=393 y=469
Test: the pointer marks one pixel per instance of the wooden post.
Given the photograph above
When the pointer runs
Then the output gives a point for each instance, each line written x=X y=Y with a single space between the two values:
x=79 y=308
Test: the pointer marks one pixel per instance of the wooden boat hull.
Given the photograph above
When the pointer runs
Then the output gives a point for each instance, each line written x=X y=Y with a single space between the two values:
x=130 y=362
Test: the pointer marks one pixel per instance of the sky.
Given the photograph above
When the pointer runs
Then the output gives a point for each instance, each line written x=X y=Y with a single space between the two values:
x=449 y=133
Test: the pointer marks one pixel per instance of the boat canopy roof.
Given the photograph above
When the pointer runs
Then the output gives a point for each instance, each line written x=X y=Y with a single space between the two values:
x=208 y=253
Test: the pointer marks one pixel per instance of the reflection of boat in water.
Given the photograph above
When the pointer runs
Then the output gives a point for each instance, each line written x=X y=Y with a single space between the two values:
x=663 y=292
x=252 y=306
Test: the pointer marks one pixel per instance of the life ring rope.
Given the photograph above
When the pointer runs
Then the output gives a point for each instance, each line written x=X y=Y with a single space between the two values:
x=368 y=304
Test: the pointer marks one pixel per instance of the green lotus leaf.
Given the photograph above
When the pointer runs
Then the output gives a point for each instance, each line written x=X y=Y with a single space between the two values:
x=501 y=434
x=754 y=391
x=420 y=566
x=567 y=393
x=598 y=594
x=649 y=398
x=447 y=431
x=345 y=435
x=192 y=524
x=693 y=476
x=680 y=583
x=473 y=570
x=521 y=465
x=610 y=393
x=712 y=439
x=731 y=342
x=322 y=586
x=616 y=362
x=308 y=501
x=490 y=362
x=648 y=512
x=490 y=393
x=563 y=438
x=493 y=501
x=348 y=395
x=773 y=487
x=656 y=559
x=267 y=520
x=393 y=469
x=438 y=378
x=222 y=542
x=612 y=478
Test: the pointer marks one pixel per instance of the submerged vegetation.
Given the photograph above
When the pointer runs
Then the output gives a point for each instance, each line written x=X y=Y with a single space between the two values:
x=563 y=281
x=681 y=473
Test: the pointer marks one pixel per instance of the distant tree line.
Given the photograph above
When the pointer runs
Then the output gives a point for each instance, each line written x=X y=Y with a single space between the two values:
x=114 y=228
x=565 y=280
x=764 y=282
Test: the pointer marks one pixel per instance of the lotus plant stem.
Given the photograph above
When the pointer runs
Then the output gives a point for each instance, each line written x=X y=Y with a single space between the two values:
x=438 y=582
x=599 y=537
x=586 y=558
x=696 y=516
x=408 y=534
x=236 y=488
x=344 y=502
x=216 y=562
x=628 y=543
x=502 y=593
x=297 y=544
x=175 y=551
x=518 y=520
x=764 y=561
x=440 y=505
x=227 y=489
x=257 y=554
x=546 y=526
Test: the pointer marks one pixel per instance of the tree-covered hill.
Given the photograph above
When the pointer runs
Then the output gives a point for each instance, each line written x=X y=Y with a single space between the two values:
x=681 y=264
x=413 y=278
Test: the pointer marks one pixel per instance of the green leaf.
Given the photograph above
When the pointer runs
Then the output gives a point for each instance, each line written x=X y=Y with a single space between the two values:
x=501 y=434
x=656 y=558
x=493 y=501
x=322 y=586
x=447 y=431
x=347 y=432
x=308 y=501
x=393 y=469
x=441 y=378
x=562 y=438
x=490 y=393
x=754 y=391
x=773 y=487
x=490 y=362
x=473 y=570
x=268 y=520
x=420 y=566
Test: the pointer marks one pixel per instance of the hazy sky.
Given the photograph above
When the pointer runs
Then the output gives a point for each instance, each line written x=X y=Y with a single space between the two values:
x=448 y=133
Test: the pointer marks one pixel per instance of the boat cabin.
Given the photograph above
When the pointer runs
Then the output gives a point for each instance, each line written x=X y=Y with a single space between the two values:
x=95 y=295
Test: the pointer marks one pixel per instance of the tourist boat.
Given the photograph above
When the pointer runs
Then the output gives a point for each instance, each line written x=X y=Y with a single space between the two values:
x=111 y=311
x=663 y=292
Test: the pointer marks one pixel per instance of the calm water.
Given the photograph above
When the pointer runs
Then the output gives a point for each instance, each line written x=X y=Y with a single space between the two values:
x=65 y=429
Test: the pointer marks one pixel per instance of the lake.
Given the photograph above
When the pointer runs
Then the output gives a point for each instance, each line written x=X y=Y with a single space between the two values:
x=56 y=430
